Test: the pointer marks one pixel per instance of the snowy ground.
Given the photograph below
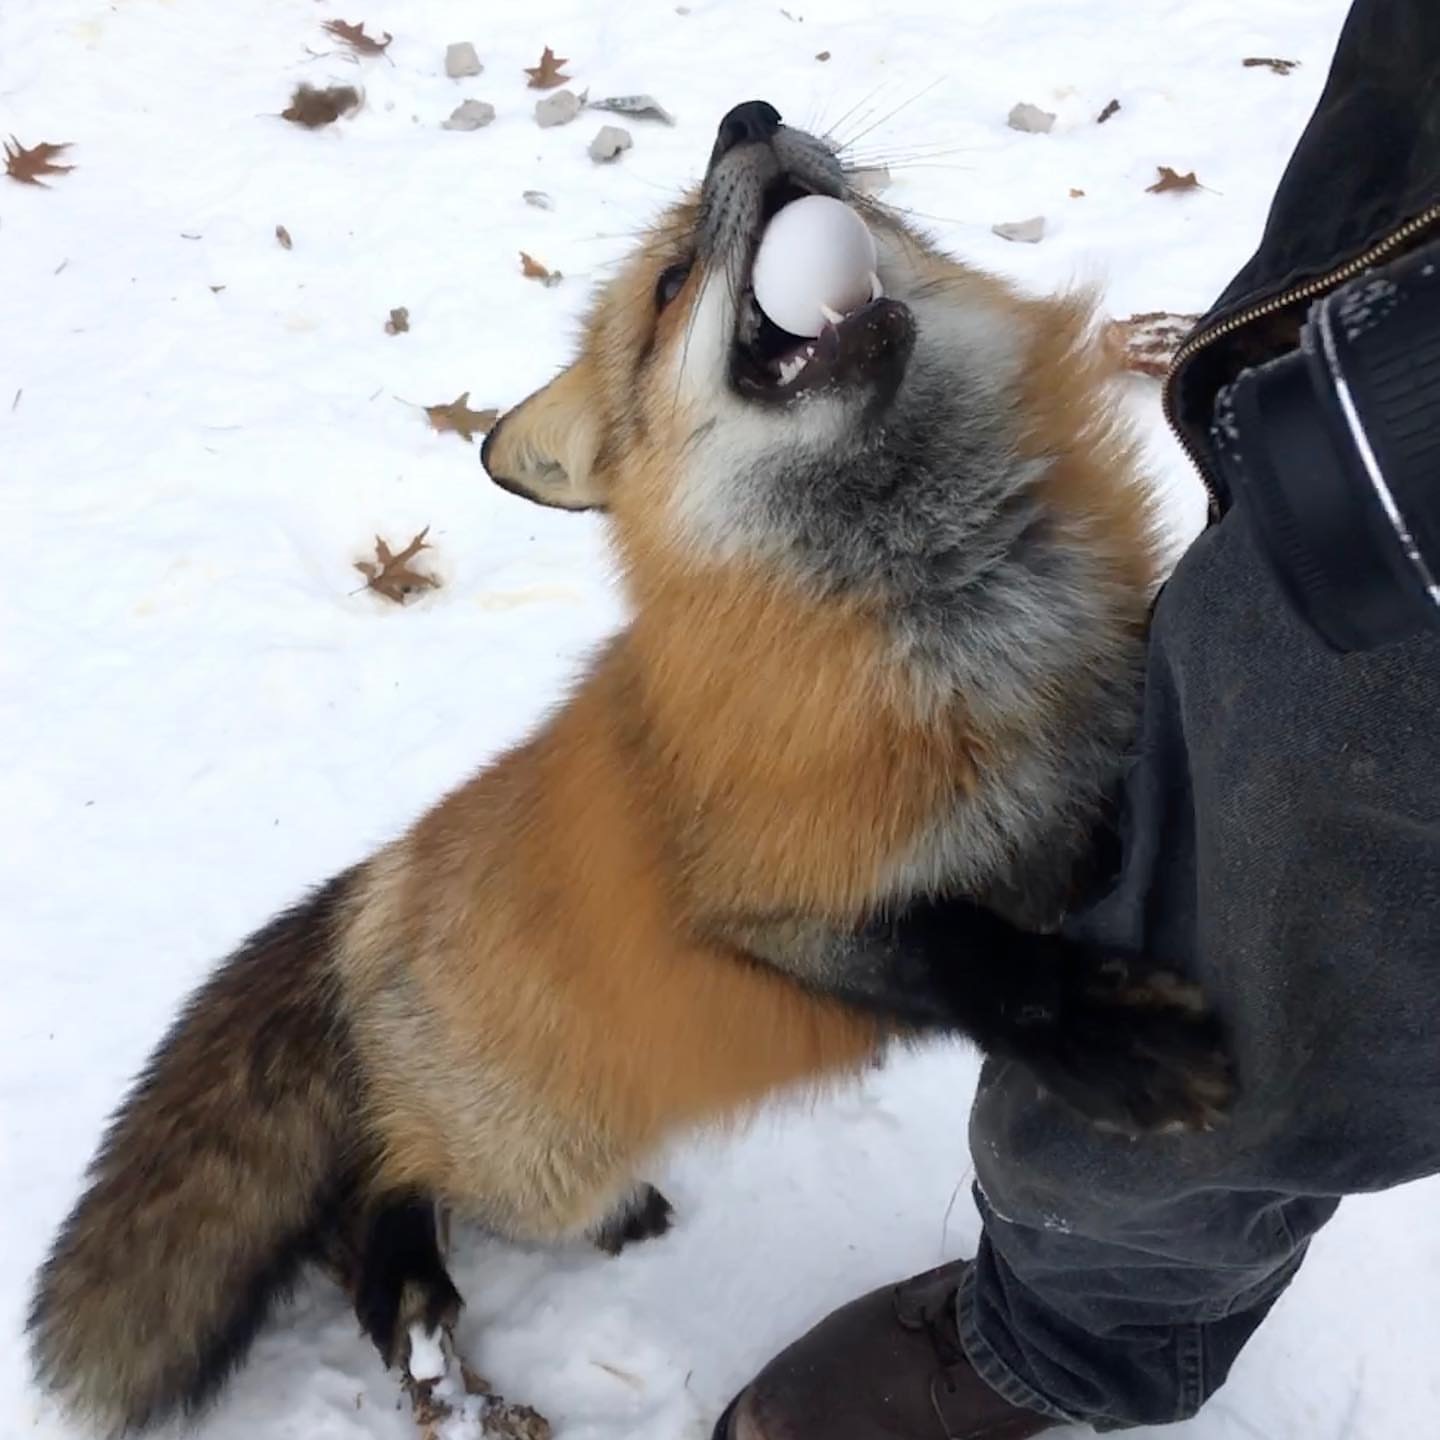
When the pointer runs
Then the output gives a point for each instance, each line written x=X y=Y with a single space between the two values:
x=200 y=714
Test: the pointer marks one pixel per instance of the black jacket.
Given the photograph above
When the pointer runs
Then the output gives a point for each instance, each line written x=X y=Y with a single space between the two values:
x=1362 y=186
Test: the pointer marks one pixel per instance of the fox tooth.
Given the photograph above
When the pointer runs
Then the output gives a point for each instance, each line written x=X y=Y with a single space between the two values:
x=832 y=315
x=877 y=290
x=789 y=369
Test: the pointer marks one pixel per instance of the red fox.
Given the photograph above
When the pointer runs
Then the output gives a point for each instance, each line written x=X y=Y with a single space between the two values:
x=889 y=591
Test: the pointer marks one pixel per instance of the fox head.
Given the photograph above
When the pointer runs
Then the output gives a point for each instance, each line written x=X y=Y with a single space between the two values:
x=932 y=426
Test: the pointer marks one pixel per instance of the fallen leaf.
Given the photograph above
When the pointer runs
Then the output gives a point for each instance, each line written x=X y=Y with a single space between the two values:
x=313 y=108
x=1107 y=112
x=1076 y=194
x=458 y=416
x=1172 y=180
x=532 y=269
x=1146 y=343
x=399 y=321
x=546 y=75
x=501 y=1419
x=27 y=166
x=356 y=38
x=390 y=574
x=1280 y=67
x=283 y=236
x=538 y=198
x=16 y=401
x=216 y=289
x=642 y=107
x=823 y=55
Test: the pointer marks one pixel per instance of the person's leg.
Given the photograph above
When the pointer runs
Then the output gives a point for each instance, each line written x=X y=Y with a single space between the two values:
x=1282 y=847
x=1284 y=824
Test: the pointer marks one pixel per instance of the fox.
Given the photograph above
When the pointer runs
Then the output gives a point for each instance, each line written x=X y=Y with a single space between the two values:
x=829 y=788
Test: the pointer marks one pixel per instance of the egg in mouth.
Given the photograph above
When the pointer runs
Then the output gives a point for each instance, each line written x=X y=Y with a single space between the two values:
x=814 y=311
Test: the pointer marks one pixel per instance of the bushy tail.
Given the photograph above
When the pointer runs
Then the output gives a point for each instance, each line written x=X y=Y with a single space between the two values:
x=210 y=1186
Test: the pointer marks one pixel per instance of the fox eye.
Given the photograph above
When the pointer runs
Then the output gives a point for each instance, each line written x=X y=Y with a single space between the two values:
x=671 y=282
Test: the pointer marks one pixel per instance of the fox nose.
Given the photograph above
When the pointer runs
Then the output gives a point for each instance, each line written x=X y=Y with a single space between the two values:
x=754 y=121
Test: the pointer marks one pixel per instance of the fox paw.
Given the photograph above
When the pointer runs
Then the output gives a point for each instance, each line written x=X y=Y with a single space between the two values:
x=646 y=1215
x=1137 y=1052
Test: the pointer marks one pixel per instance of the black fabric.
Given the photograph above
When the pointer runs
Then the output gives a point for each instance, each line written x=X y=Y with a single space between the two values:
x=1282 y=845
x=1368 y=161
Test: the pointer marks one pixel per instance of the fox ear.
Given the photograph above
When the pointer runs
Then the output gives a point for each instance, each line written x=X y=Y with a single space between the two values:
x=545 y=448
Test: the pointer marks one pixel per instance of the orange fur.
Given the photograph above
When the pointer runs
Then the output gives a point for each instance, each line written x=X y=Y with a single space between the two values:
x=743 y=747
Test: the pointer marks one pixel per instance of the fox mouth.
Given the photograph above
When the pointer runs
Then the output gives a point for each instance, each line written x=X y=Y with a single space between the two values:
x=868 y=344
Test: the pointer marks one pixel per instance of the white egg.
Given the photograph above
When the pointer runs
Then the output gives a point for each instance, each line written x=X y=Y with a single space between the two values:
x=816 y=254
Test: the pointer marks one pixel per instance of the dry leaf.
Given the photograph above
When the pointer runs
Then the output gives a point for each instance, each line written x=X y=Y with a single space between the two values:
x=458 y=416
x=313 y=108
x=532 y=269
x=283 y=236
x=27 y=166
x=391 y=576
x=1076 y=194
x=399 y=321
x=823 y=55
x=546 y=75
x=641 y=107
x=1107 y=112
x=1172 y=180
x=501 y=1420
x=356 y=38
x=1146 y=343
x=1280 y=67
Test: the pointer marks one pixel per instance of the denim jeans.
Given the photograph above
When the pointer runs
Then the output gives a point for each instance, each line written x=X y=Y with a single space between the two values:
x=1281 y=842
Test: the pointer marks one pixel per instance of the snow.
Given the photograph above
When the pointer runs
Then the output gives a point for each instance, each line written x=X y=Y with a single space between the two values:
x=427 y=1354
x=201 y=714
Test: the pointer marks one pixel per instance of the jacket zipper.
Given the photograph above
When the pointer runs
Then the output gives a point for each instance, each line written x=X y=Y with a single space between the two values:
x=1310 y=290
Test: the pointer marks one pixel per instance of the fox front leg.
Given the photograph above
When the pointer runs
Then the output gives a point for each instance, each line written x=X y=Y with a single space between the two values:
x=1131 y=1047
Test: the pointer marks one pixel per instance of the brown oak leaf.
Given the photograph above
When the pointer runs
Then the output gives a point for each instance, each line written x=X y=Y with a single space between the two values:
x=1146 y=343
x=546 y=75
x=1280 y=67
x=458 y=417
x=399 y=321
x=532 y=269
x=355 y=37
x=1172 y=180
x=390 y=575
x=283 y=236
x=1076 y=194
x=313 y=108
x=27 y=166
x=1107 y=112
